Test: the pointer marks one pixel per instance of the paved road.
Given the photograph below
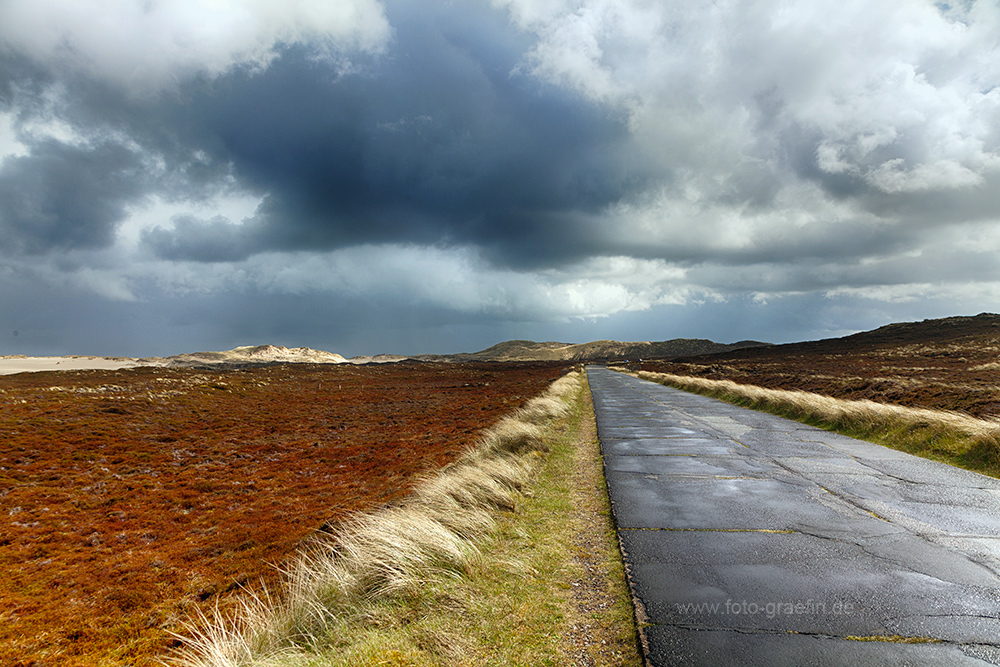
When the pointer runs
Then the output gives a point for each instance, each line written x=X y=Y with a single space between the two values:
x=755 y=540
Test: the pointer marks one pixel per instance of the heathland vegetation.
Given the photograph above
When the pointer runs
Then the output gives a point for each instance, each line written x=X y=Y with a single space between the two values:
x=144 y=511
x=130 y=499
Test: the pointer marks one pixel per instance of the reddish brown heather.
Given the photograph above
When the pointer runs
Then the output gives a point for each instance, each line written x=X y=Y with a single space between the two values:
x=130 y=498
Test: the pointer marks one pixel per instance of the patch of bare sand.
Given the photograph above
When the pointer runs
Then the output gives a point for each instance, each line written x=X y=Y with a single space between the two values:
x=22 y=364
x=251 y=354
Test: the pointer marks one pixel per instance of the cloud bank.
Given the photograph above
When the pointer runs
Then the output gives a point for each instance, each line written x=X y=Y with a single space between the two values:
x=448 y=175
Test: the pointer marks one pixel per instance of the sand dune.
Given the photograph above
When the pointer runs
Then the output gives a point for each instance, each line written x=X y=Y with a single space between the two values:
x=257 y=354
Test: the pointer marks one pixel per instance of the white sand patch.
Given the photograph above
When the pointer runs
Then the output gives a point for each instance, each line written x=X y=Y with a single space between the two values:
x=248 y=354
x=22 y=364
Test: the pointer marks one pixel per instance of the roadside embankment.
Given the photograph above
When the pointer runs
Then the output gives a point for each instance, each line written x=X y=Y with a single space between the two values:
x=951 y=437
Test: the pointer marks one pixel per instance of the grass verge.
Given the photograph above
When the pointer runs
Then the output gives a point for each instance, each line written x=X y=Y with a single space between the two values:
x=507 y=557
x=950 y=437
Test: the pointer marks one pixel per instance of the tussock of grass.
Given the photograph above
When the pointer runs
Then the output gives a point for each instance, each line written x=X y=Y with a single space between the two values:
x=391 y=556
x=990 y=366
x=544 y=408
x=511 y=435
x=952 y=437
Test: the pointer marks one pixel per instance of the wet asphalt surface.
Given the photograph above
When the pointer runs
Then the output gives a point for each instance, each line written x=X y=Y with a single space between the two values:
x=754 y=540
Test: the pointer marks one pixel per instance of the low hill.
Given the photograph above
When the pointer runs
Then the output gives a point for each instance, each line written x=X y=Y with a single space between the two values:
x=975 y=336
x=526 y=350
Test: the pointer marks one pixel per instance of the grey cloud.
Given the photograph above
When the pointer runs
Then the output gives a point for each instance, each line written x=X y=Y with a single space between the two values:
x=819 y=275
x=753 y=186
x=63 y=196
x=214 y=240
x=939 y=207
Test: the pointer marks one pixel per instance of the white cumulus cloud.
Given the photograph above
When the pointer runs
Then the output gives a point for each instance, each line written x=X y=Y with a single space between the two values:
x=145 y=44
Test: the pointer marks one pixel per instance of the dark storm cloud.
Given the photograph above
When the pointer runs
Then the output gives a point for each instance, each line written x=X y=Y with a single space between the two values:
x=65 y=196
x=438 y=140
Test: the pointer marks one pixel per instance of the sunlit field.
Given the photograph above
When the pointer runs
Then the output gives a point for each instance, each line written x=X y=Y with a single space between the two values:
x=129 y=500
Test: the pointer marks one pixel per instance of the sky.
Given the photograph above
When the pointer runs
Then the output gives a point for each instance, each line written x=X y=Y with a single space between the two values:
x=421 y=176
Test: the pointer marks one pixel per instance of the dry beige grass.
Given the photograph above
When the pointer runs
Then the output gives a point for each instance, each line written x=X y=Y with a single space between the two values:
x=951 y=436
x=386 y=553
x=990 y=366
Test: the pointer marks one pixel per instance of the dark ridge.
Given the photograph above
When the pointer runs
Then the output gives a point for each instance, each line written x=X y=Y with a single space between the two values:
x=955 y=329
